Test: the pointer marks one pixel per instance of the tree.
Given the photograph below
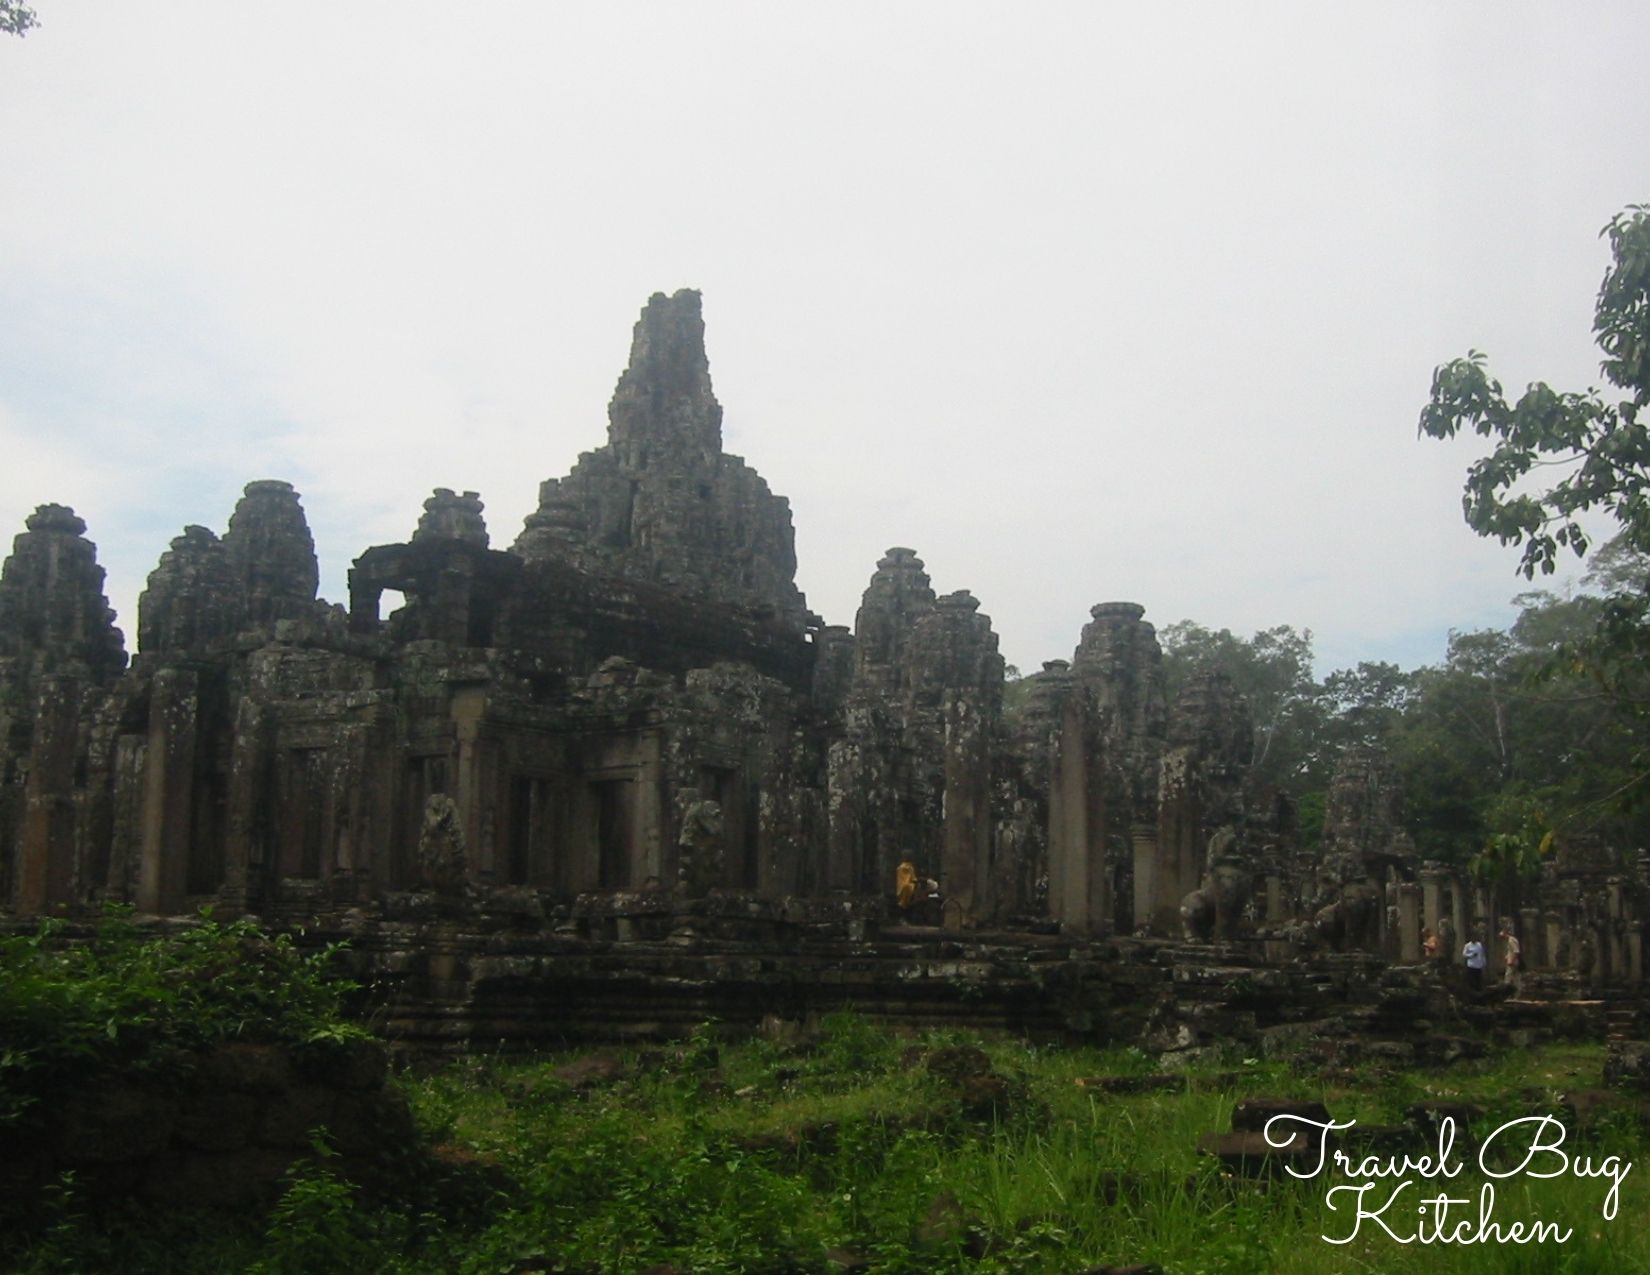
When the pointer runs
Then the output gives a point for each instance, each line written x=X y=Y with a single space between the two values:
x=1601 y=449
x=1600 y=453
x=16 y=18
x=1363 y=705
x=1273 y=671
x=1497 y=746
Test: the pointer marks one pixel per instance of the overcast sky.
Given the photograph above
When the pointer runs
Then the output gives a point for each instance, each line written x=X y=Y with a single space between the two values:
x=1082 y=301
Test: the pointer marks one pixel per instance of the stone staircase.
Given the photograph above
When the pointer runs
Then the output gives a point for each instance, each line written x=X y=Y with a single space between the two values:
x=1621 y=1018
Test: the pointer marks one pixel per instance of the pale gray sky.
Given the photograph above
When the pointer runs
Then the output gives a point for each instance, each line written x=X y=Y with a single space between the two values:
x=1083 y=301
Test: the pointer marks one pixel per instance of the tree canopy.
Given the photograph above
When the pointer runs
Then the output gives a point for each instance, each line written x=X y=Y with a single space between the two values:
x=16 y=18
x=1599 y=449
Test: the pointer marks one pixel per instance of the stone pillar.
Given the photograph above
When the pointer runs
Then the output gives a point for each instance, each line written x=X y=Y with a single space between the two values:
x=1409 y=922
x=1552 y=927
x=385 y=763
x=1599 y=933
x=1484 y=919
x=1432 y=878
x=1460 y=915
x=244 y=859
x=126 y=842
x=845 y=861
x=1144 y=839
x=1529 y=927
x=169 y=784
x=1180 y=847
x=1615 y=927
x=45 y=858
x=467 y=706
x=965 y=851
x=351 y=874
x=364 y=600
x=649 y=861
x=1275 y=911
x=1079 y=896
x=1635 y=953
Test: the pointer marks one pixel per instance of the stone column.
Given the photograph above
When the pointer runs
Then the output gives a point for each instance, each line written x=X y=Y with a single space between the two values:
x=1274 y=898
x=467 y=705
x=1079 y=896
x=1180 y=846
x=249 y=761
x=45 y=859
x=1599 y=931
x=1635 y=953
x=844 y=810
x=1409 y=922
x=1529 y=925
x=965 y=852
x=364 y=600
x=649 y=860
x=351 y=868
x=169 y=784
x=1615 y=927
x=1143 y=837
x=126 y=844
x=1552 y=926
x=1459 y=914
x=1432 y=877
x=1484 y=920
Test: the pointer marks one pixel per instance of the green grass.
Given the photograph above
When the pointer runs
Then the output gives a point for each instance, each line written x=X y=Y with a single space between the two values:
x=766 y=1157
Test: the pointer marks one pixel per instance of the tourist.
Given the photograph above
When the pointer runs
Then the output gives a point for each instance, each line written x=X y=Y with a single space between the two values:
x=1474 y=955
x=1430 y=946
x=905 y=885
x=1513 y=958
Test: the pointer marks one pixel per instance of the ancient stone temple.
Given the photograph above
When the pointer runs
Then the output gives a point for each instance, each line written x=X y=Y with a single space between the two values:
x=629 y=724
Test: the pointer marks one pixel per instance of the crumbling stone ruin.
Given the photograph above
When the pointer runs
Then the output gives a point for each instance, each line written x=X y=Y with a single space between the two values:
x=629 y=728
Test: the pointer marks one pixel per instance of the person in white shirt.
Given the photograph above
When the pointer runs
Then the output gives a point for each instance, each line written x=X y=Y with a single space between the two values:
x=1476 y=959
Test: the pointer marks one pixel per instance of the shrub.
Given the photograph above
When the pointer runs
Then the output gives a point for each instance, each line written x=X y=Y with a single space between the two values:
x=121 y=998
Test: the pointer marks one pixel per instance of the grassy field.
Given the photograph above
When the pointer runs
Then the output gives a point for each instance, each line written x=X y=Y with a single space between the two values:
x=852 y=1148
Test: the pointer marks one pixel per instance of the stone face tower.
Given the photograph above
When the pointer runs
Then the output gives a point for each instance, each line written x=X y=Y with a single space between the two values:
x=1108 y=714
x=195 y=596
x=59 y=652
x=662 y=502
x=910 y=770
x=53 y=615
x=272 y=552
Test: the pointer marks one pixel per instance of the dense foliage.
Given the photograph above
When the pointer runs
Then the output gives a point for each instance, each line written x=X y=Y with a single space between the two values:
x=125 y=997
x=1501 y=744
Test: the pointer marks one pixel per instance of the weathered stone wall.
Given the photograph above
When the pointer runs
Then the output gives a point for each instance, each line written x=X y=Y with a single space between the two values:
x=626 y=970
